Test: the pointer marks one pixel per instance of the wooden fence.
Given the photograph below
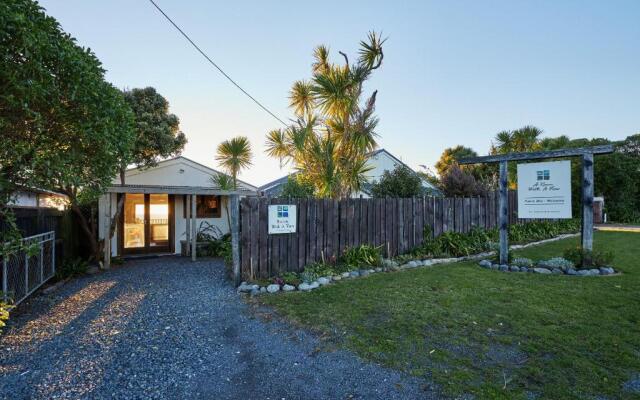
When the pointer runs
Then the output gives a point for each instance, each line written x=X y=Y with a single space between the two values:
x=325 y=228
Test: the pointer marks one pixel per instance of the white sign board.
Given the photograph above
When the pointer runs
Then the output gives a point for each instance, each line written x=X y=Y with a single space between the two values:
x=544 y=190
x=282 y=218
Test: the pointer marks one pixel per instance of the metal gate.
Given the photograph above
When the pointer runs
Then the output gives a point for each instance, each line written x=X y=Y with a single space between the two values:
x=26 y=270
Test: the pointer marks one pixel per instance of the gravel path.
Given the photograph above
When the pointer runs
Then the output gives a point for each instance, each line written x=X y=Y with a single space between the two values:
x=170 y=328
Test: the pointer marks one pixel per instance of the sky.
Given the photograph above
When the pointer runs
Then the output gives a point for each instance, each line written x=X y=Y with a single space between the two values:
x=454 y=72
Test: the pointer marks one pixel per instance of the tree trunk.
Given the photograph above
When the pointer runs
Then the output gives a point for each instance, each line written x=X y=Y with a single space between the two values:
x=84 y=225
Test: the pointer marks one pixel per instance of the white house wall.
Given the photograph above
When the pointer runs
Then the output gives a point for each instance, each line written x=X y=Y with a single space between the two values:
x=180 y=223
x=380 y=162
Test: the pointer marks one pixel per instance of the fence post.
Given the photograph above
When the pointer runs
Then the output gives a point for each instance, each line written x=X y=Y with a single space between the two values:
x=587 y=205
x=235 y=237
x=42 y=260
x=194 y=235
x=5 y=276
x=53 y=252
x=26 y=272
x=503 y=215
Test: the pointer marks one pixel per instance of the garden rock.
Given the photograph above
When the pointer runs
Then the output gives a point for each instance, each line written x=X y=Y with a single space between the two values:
x=524 y=269
x=337 y=277
x=412 y=264
x=495 y=266
x=427 y=263
x=273 y=288
x=263 y=290
x=288 y=288
x=583 y=272
x=378 y=269
x=503 y=267
x=541 y=271
x=485 y=264
x=606 y=271
x=364 y=272
x=354 y=274
x=372 y=271
x=557 y=271
x=572 y=271
x=345 y=275
x=246 y=288
x=514 y=268
x=594 y=272
x=305 y=287
x=324 y=281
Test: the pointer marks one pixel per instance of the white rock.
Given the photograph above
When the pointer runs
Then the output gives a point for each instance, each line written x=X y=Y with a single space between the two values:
x=273 y=288
x=345 y=275
x=308 y=286
x=288 y=288
x=324 y=281
x=336 y=277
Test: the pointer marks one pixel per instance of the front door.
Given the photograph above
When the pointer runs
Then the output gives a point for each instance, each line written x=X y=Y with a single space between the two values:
x=147 y=224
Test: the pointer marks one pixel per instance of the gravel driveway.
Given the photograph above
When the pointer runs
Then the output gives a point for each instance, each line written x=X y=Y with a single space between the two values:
x=171 y=328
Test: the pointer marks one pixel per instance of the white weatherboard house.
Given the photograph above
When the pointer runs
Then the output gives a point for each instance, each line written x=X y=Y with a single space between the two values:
x=158 y=206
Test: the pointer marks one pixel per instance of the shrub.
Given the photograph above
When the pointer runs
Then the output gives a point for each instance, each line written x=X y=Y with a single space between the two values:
x=557 y=262
x=523 y=262
x=362 y=255
x=4 y=313
x=319 y=269
x=71 y=268
x=599 y=258
x=401 y=182
x=308 y=276
x=291 y=278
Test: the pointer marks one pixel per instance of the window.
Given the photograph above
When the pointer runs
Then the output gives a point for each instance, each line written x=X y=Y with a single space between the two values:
x=543 y=175
x=206 y=206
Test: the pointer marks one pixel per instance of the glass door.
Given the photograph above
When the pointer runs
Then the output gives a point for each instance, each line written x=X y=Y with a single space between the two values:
x=147 y=223
x=158 y=221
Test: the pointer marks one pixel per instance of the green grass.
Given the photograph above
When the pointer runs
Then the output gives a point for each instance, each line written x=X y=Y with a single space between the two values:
x=496 y=335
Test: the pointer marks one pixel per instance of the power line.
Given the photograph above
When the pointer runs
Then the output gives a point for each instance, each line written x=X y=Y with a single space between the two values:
x=213 y=63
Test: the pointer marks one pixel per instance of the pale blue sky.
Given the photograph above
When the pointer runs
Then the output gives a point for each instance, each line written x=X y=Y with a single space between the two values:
x=454 y=72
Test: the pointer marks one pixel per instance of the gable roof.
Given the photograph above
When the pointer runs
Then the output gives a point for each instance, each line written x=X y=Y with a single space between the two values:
x=134 y=171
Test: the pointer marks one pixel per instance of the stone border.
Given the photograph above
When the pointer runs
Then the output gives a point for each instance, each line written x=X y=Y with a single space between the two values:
x=388 y=265
x=541 y=268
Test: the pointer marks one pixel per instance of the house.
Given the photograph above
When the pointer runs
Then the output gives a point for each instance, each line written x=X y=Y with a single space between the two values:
x=39 y=198
x=157 y=213
x=380 y=160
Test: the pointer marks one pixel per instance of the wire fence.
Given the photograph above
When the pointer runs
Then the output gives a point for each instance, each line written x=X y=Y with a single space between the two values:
x=26 y=270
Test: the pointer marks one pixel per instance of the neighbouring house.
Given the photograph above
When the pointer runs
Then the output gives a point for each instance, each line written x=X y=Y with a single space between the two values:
x=380 y=160
x=39 y=198
x=157 y=209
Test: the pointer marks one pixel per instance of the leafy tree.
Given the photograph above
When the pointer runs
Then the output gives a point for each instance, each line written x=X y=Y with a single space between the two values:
x=451 y=155
x=401 y=182
x=297 y=187
x=234 y=155
x=64 y=127
x=335 y=129
x=458 y=182
x=157 y=135
x=520 y=140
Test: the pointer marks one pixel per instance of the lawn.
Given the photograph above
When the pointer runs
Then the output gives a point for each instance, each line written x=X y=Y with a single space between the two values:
x=492 y=334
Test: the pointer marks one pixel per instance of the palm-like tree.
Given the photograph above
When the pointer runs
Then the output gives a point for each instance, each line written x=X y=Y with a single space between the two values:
x=520 y=140
x=233 y=155
x=334 y=132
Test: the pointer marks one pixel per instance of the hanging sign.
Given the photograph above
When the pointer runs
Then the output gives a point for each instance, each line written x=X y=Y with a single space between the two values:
x=282 y=219
x=544 y=190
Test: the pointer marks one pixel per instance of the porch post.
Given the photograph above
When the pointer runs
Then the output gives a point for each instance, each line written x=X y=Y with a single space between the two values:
x=587 y=205
x=235 y=236
x=107 y=234
x=187 y=223
x=193 y=227
x=503 y=216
